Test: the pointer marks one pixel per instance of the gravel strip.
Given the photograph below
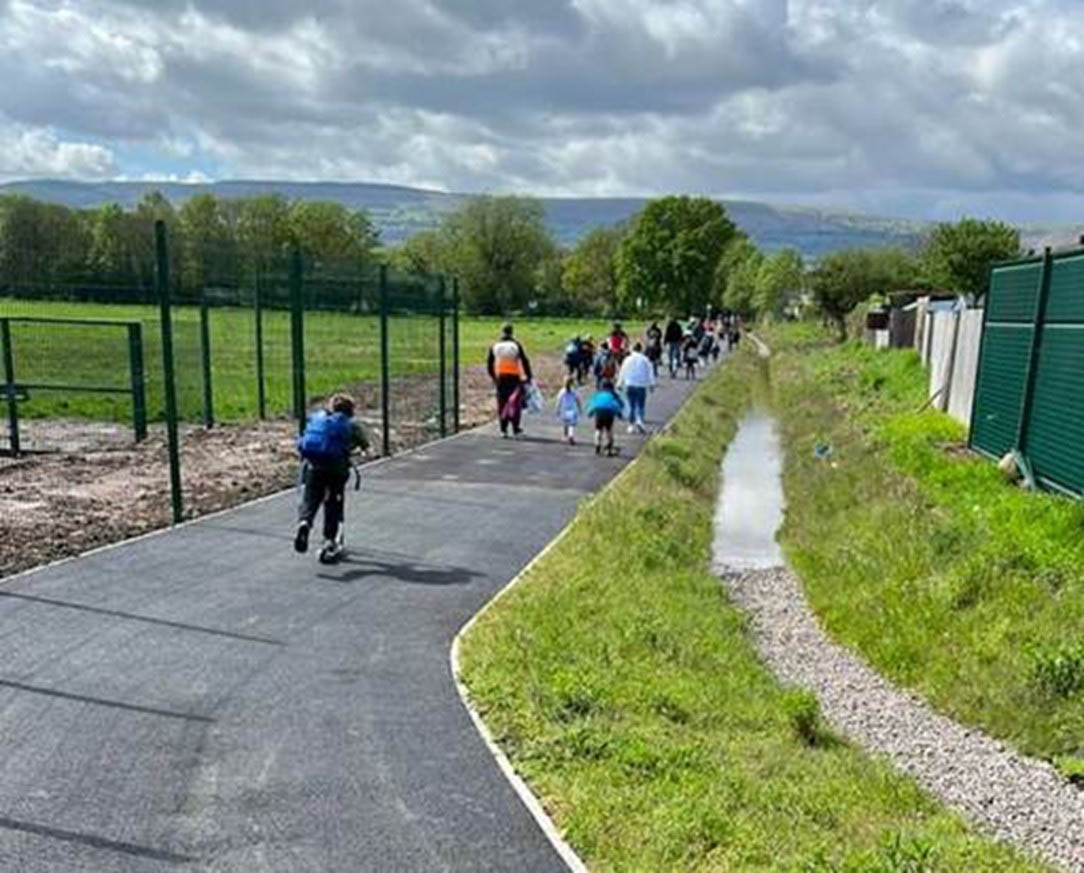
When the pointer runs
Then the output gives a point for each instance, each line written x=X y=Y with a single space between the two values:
x=1012 y=797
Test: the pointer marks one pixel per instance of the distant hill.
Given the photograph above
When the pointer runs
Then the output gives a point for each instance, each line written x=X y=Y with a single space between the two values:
x=400 y=211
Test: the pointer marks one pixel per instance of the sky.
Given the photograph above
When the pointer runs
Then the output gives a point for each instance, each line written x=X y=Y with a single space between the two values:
x=914 y=108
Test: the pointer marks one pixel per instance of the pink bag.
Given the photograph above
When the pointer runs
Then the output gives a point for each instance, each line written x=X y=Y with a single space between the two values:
x=514 y=405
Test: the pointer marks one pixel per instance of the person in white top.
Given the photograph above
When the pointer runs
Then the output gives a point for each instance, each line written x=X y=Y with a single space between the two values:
x=636 y=377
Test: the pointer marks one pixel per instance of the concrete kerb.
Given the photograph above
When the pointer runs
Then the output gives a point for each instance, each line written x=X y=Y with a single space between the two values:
x=220 y=513
x=533 y=804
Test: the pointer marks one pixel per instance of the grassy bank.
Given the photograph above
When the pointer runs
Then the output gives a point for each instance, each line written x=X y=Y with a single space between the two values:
x=917 y=553
x=620 y=683
x=342 y=351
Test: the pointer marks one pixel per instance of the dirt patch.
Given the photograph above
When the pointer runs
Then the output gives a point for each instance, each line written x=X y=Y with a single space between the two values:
x=101 y=488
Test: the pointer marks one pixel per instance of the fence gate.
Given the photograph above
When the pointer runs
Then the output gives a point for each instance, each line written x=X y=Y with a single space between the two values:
x=54 y=367
x=1030 y=390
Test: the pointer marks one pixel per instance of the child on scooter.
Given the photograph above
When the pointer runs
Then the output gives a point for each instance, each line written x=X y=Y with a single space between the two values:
x=331 y=435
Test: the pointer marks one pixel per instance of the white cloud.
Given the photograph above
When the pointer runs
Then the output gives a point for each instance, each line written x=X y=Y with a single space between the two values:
x=28 y=152
x=915 y=105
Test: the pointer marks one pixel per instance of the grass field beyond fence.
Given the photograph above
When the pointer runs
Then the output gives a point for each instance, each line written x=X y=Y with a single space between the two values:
x=918 y=554
x=342 y=351
x=621 y=684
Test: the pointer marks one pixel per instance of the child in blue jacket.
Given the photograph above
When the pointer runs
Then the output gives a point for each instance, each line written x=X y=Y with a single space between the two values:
x=604 y=407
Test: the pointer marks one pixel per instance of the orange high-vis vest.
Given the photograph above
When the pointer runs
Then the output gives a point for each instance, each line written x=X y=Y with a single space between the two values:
x=506 y=358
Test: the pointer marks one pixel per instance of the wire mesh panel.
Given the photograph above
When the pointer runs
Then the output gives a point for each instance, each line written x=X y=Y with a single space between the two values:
x=414 y=362
x=342 y=336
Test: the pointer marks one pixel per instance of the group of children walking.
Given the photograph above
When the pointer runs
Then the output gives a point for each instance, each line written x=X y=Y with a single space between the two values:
x=605 y=407
x=635 y=377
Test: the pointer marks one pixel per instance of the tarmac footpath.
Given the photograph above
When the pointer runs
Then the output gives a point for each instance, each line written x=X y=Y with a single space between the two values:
x=205 y=699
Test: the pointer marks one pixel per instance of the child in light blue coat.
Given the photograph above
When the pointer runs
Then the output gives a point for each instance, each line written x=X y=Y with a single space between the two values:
x=569 y=409
x=604 y=407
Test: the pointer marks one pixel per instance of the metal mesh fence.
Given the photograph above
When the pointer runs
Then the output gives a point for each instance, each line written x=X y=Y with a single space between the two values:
x=259 y=339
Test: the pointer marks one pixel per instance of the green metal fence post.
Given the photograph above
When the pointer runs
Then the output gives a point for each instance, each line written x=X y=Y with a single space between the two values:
x=1033 y=359
x=455 y=353
x=261 y=388
x=205 y=359
x=9 y=387
x=385 y=379
x=297 y=335
x=443 y=363
x=139 y=391
x=168 y=374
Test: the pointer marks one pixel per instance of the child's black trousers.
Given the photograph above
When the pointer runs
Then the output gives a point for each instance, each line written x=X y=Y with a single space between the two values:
x=323 y=485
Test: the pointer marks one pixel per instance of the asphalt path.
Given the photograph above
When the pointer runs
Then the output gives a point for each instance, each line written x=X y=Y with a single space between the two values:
x=205 y=699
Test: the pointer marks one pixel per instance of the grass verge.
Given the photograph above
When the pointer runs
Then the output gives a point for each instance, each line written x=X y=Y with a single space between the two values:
x=620 y=683
x=918 y=554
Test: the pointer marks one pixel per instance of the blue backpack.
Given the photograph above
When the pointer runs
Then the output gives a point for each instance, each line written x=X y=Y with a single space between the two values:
x=326 y=439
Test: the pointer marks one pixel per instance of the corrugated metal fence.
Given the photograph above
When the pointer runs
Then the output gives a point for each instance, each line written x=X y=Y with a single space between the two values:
x=1030 y=390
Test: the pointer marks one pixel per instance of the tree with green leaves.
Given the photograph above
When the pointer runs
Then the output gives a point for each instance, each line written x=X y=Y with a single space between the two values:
x=590 y=271
x=328 y=231
x=779 y=282
x=846 y=278
x=422 y=253
x=741 y=283
x=495 y=246
x=957 y=257
x=669 y=256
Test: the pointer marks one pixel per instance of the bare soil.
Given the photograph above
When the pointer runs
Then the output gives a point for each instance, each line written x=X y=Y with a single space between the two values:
x=96 y=486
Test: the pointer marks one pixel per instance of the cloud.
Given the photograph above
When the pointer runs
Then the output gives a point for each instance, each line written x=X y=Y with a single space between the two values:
x=914 y=105
x=28 y=152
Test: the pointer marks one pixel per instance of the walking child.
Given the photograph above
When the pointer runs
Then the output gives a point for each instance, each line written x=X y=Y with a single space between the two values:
x=331 y=434
x=605 y=407
x=569 y=409
x=690 y=351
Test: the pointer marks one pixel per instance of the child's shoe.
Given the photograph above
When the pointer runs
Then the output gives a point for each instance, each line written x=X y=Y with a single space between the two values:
x=301 y=540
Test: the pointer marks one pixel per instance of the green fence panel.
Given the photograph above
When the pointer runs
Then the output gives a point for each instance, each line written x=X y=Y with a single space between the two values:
x=999 y=394
x=1055 y=442
x=1056 y=430
x=1054 y=425
x=1013 y=292
x=1066 y=304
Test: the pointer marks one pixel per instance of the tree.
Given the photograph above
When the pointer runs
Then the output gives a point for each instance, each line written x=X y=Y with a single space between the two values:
x=846 y=278
x=328 y=231
x=263 y=227
x=670 y=254
x=496 y=245
x=424 y=252
x=957 y=257
x=779 y=282
x=209 y=244
x=741 y=283
x=736 y=253
x=590 y=271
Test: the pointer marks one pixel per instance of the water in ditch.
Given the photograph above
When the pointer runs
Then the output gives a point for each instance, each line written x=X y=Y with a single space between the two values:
x=750 y=507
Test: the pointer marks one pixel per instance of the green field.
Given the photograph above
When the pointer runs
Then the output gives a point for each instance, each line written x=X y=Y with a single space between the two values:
x=342 y=351
x=918 y=554
x=623 y=687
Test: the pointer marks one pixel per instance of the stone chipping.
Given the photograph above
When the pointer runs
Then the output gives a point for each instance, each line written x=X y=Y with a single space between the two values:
x=1014 y=798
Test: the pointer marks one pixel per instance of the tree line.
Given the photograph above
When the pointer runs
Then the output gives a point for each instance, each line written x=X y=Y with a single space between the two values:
x=678 y=255
x=681 y=255
x=44 y=245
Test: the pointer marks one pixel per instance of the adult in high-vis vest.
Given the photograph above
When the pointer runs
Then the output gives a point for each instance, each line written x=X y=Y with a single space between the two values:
x=510 y=370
